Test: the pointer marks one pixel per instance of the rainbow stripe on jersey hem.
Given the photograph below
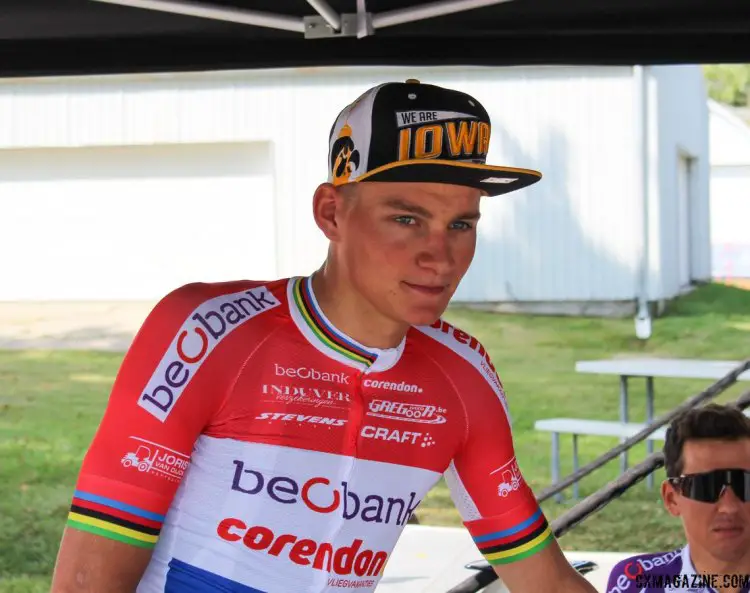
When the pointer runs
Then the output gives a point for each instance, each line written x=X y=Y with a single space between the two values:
x=115 y=520
x=322 y=330
x=519 y=542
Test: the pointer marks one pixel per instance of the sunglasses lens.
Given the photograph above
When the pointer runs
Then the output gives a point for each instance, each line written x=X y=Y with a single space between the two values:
x=704 y=487
x=707 y=487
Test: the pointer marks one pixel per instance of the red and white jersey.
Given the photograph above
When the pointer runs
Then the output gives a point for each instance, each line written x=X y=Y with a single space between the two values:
x=258 y=449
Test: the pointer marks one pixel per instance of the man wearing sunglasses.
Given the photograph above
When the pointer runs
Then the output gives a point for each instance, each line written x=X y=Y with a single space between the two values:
x=707 y=460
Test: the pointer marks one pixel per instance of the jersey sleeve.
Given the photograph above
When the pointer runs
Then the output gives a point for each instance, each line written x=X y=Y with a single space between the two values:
x=158 y=406
x=498 y=508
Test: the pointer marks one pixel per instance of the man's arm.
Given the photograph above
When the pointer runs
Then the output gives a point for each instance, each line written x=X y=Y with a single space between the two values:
x=498 y=507
x=88 y=563
x=121 y=499
x=547 y=570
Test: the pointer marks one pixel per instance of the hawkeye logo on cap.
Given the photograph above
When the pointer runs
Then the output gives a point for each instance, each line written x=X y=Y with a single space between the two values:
x=344 y=156
x=442 y=134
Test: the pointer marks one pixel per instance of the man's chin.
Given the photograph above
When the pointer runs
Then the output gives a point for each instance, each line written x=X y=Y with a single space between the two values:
x=422 y=316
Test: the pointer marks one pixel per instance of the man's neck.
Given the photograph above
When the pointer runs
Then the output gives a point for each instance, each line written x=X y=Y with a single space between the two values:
x=353 y=315
x=705 y=564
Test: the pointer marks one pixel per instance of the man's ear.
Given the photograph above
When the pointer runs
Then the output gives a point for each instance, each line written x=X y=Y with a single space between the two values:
x=669 y=496
x=328 y=207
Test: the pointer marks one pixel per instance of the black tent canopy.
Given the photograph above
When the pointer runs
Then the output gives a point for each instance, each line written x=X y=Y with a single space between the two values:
x=59 y=37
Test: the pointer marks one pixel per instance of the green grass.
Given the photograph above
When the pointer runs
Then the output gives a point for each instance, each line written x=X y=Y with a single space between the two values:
x=51 y=403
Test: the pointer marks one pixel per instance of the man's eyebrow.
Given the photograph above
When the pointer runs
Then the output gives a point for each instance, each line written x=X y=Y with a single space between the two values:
x=399 y=204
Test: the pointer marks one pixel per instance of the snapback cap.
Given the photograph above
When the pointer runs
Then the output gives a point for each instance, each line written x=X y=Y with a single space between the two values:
x=410 y=131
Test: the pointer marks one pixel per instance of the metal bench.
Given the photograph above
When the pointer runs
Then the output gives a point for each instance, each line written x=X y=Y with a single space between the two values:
x=580 y=426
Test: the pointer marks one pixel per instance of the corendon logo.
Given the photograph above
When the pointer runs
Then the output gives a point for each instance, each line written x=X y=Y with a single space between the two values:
x=344 y=560
x=486 y=364
x=208 y=325
x=463 y=338
x=392 y=386
x=320 y=496
x=421 y=413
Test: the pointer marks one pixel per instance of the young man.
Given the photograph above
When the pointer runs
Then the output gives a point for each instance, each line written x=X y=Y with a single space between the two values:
x=707 y=460
x=276 y=436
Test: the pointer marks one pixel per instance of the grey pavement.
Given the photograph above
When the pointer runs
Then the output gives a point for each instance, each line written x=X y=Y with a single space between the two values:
x=71 y=325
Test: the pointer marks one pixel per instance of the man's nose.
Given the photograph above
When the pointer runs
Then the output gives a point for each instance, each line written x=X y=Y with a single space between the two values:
x=728 y=502
x=437 y=253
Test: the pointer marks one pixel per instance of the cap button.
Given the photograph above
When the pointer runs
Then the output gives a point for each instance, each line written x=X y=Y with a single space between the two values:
x=412 y=81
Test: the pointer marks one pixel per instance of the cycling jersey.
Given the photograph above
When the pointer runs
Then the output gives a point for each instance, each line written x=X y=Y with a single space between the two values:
x=258 y=449
x=668 y=572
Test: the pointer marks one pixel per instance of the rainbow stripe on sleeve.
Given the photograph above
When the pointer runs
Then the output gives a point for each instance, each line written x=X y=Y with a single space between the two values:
x=509 y=545
x=113 y=519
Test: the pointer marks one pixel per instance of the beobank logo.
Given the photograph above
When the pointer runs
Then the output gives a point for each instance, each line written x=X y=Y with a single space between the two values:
x=319 y=495
x=309 y=373
x=207 y=325
x=350 y=560
x=636 y=568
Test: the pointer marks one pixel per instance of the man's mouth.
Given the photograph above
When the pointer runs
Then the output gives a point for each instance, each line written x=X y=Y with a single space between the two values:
x=728 y=530
x=429 y=289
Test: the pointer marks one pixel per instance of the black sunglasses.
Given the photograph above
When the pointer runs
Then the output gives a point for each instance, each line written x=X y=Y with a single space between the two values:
x=709 y=486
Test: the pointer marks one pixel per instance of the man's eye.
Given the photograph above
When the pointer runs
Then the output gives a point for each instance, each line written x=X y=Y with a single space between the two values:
x=462 y=225
x=406 y=220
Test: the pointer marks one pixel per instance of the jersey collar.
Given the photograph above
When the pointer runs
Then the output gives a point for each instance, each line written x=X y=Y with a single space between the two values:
x=324 y=336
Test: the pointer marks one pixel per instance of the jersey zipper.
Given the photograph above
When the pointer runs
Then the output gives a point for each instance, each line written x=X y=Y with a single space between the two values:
x=357 y=413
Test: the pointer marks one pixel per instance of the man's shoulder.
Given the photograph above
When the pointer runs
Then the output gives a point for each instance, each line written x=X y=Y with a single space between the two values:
x=459 y=345
x=232 y=301
x=632 y=568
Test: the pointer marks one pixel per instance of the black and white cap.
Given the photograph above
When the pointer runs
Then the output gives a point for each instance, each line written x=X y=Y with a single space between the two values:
x=410 y=131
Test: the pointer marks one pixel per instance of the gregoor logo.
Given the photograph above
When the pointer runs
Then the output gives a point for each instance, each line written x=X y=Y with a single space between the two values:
x=320 y=496
x=422 y=413
x=208 y=325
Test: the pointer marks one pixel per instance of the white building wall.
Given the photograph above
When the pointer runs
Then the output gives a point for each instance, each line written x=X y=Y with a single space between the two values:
x=680 y=127
x=730 y=192
x=572 y=236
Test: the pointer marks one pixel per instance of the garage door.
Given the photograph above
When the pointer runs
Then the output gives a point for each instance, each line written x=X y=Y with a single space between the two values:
x=730 y=212
x=132 y=223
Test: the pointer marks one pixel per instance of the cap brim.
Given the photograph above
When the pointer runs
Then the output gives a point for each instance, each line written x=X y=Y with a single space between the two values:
x=491 y=179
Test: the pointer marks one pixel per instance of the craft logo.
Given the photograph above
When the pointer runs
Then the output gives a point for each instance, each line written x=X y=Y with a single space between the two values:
x=152 y=458
x=208 y=325
x=408 y=437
